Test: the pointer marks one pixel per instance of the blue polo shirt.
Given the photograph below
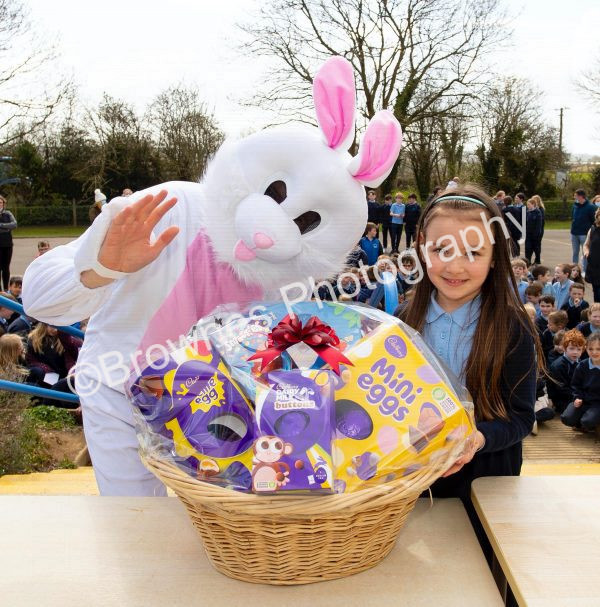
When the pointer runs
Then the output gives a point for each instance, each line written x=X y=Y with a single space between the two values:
x=561 y=293
x=399 y=208
x=372 y=248
x=521 y=287
x=450 y=335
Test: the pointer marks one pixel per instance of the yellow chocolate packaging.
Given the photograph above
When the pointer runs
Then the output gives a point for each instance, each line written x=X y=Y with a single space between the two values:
x=396 y=411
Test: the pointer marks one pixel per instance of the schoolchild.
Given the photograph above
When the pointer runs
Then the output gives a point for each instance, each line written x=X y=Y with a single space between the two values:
x=561 y=371
x=546 y=307
x=557 y=321
x=562 y=284
x=584 y=412
x=370 y=244
x=575 y=304
x=466 y=300
x=541 y=274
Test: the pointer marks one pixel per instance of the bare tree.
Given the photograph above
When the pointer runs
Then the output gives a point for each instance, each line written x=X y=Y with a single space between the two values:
x=26 y=101
x=589 y=83
x=515 y=145
x=187 y=133
x=408 y=55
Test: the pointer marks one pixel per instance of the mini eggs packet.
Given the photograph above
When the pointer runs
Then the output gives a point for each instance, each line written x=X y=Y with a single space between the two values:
x=397 y=410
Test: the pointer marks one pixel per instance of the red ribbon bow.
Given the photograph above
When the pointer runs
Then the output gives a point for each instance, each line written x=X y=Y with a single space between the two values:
x=319 y=336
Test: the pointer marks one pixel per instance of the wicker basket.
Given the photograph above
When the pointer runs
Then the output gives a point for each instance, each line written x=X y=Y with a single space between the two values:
x=295 y=539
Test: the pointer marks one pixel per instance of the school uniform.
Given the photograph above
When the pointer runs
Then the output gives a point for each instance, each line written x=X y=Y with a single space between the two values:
x=552 y=357
x=587 y=329
x=574 y=312
x=541 y=324
x=559 y=390
x=521 y=287
x=373 y=249
x=533 y=235
x=561 y=293
x=412 y=212
x=396 y=224
x=547 y=343
x=586 y=386
x=384 y=220
x=450 y=336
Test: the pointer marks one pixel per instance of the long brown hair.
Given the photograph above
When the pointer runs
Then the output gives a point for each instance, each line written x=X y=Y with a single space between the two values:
x=500 y=305
x=40 y=335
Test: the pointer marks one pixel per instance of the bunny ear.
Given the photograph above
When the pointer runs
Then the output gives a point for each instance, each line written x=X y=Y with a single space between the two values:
x=335 y=102
x=378 y=150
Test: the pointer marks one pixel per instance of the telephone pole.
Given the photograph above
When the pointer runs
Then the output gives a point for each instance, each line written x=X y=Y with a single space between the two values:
x=560 y=130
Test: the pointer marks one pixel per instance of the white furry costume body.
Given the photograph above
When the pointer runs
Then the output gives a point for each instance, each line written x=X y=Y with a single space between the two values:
x=242 y=234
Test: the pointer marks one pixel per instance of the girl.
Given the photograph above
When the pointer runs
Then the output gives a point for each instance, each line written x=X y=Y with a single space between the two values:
x=575 y=274
x=50 y=351
x=7 y=224
x=467 y=309
x=542 y=208
x=591 y=250
x=12 y=357
x=533 y=231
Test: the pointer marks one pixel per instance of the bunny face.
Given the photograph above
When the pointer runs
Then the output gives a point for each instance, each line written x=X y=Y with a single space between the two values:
x=293 y=209
x=287 y=204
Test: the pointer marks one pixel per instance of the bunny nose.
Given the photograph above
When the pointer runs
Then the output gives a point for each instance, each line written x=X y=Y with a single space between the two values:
x=262 y=241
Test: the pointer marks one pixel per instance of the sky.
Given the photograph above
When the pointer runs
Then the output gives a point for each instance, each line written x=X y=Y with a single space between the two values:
x=134 y=50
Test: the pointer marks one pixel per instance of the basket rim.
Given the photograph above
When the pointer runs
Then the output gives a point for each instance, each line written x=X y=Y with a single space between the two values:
x=404 y=488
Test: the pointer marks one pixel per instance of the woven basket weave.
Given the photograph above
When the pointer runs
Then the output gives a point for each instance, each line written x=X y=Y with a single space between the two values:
x=296 y=539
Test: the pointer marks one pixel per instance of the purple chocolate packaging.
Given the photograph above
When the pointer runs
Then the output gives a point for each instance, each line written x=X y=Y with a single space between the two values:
x=295 y=426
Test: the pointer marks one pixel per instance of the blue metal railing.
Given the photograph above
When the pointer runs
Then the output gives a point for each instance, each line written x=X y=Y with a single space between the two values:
x=28 y=388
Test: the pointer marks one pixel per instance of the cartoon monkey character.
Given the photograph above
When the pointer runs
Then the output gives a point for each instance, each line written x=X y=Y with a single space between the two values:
x=268 y=473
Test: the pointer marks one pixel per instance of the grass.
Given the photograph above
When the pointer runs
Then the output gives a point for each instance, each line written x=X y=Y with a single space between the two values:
x=558 y=224
x=49 y=231
x=22 y=447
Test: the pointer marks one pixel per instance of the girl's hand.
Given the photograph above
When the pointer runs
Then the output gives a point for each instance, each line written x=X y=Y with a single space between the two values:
x=473 y=444
x=127 y=246
x=577 y=402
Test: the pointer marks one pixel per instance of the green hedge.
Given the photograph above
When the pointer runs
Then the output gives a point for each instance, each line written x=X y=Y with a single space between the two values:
x=556 y=209
x=50 y=215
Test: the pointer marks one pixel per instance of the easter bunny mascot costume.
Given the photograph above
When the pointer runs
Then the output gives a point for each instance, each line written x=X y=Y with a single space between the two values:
x=276 y=207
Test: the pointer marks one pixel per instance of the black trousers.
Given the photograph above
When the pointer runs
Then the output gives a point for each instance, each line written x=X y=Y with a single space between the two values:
x=585 y=416
x=596 y=290
x=410 y=235
x=5 y=259
x=396 y=232
x=385 y=228
x=533 y=247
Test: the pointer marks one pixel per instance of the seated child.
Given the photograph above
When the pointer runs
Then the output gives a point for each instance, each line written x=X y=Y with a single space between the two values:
x=542 y=274
x=562 y=369
x=593 y=323
x=561 y=285
x=584 y=411
x=533 y=294
x=575 y=305
x=519 y=268
x=575 y=274
x=556 y=321
x=15 y=286
x=558 y=349
x=546 y=306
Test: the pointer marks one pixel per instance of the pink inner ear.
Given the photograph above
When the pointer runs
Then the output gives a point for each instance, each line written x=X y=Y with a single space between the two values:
x=335 y=100
x=378 y=149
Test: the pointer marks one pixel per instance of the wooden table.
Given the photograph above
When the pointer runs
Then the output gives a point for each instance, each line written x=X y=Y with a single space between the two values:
x=545 y=532
x=130 y=552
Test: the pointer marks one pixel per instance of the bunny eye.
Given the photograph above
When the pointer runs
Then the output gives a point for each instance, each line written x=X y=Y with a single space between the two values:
x=277 y=191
